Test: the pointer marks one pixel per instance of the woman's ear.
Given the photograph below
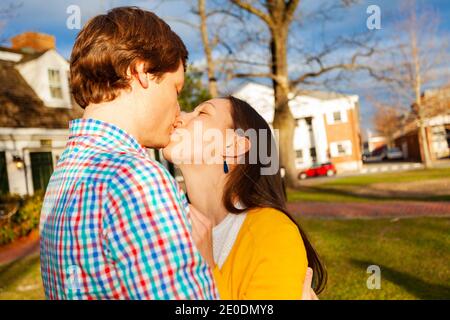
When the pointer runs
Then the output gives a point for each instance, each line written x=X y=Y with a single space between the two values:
x=240 y=146
x=243 y=145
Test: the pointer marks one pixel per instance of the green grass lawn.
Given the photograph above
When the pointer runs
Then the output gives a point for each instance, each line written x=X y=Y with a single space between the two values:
x=413 y=255
x=21 y=280
x=342 y=189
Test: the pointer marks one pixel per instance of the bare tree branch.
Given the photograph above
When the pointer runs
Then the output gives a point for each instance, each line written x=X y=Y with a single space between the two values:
x=291 y=6
x=251 y=9
x=255 y=75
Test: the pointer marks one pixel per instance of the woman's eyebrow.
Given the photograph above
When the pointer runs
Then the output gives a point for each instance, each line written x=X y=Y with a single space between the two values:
x=203 y=105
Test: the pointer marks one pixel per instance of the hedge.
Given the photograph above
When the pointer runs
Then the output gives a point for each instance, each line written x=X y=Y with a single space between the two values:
x=25 y=220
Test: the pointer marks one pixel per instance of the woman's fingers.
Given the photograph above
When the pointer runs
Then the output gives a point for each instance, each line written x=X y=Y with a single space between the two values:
x=200 y=216
x=200 y=223
x=202 y=234
x=307 y=285
x=313 y=295
x=199 y=231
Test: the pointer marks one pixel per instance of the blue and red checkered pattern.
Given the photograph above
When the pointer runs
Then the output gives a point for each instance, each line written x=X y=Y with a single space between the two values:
x=114 y=225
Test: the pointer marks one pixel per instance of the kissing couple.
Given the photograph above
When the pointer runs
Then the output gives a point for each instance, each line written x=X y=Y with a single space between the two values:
x=116 y=225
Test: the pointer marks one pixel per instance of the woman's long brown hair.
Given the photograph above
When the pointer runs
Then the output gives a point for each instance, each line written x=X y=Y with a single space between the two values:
x=254 y=190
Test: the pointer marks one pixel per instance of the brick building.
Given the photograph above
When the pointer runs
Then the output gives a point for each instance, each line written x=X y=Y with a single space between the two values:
x=437 y=127
x=327 y=125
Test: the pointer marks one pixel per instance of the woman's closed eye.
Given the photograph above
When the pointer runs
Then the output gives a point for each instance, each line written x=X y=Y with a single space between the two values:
x=201 y=111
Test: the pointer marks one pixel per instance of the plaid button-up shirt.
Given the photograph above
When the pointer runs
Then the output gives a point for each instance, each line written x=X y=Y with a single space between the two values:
x=114 y=226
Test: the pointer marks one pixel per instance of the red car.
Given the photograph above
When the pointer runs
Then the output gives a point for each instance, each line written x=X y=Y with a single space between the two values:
x=317 y=170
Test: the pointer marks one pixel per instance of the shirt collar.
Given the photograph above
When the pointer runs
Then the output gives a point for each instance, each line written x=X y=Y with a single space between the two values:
x=94 y=127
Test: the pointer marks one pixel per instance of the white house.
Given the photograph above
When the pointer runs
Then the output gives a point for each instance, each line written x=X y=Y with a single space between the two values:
x=327 y=125
x=35 y=108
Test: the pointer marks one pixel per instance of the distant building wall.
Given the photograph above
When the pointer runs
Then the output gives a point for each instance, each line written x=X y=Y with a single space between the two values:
x=23 y=141
x=409 y=144
x=438 y=143
x=345 y=142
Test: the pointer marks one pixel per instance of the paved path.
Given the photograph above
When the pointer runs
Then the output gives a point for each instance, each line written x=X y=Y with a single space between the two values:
x=383 y=209
x=20 y=248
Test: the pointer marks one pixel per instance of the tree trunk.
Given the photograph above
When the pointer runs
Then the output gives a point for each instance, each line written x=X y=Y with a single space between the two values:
x=423 y=140
x=211 y=72
x=283 y=118
x=423 y=145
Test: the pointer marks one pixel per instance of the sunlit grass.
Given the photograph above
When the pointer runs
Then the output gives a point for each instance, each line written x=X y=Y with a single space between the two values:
x=393 y=177
x=413 y=255
x=21 y=280
x=344 y=189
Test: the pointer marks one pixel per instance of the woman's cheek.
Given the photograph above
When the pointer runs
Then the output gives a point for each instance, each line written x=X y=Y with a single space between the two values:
x=176 y=151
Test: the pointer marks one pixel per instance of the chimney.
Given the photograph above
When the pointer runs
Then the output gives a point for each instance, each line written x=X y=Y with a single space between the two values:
x=33 y=42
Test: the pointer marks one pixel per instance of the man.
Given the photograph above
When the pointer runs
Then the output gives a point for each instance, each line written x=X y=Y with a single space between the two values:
x=114 y=222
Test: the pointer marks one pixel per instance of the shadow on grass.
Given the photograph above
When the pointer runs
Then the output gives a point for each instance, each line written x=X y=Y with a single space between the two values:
x=327 y=191
x=414 y=285
x=13 y=271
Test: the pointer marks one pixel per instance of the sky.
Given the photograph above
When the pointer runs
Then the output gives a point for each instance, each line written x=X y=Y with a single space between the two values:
x=50 y=16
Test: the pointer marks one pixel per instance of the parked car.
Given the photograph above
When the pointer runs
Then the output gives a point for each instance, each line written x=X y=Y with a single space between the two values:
x=371 y=157
x=394 y=154
x=323 y=169
x=382 y=154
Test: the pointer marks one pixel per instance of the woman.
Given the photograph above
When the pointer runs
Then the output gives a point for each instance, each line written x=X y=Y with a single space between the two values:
x=258 y=251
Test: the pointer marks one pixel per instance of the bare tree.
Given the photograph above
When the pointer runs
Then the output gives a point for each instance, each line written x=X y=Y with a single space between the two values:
x=278 y=17
x=436 y=101
x=211 y=26
x=386 y=121
x=210 y=66
x=412 y=63
x=260 y=26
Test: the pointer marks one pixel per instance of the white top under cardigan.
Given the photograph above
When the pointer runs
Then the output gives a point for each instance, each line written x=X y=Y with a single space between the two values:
x=224 y=236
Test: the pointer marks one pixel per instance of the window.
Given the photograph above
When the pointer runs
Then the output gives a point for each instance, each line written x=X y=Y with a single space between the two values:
x=337 y=116
x=312 y=152
x=308 y=122
x=41 y=169
x=299 y=154
x=341 y=148
x=4 y=183
x=54 y=80
x=68 y=78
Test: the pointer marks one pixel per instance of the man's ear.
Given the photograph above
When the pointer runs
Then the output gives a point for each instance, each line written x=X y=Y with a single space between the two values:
x=240 y=146
x=141 y=75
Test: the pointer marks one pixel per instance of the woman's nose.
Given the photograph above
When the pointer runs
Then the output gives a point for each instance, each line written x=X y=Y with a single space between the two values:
x=184 y=118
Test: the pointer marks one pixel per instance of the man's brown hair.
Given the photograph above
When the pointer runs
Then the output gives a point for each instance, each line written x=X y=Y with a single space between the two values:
x=110 y=43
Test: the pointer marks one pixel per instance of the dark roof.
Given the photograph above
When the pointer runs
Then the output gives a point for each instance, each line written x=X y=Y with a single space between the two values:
x=27 y=55
x=11 y=50
x=20 y=107
x=31 y=56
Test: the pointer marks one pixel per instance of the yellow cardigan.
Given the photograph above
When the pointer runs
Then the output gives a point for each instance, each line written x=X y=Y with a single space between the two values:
x=267 y=261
